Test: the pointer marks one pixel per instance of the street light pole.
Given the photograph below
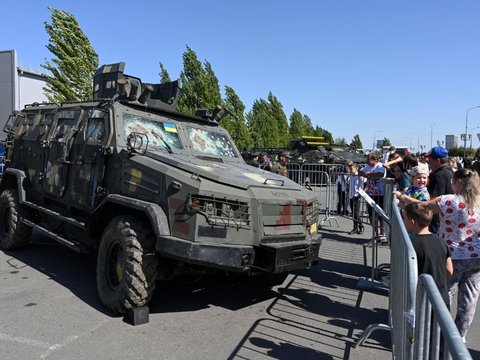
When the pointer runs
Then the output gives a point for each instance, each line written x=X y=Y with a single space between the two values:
x=466 y=130
x=471 y=136
x=375 y=138
x=431 y=135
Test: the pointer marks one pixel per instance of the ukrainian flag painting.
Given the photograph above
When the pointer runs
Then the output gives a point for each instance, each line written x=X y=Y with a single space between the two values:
x=170 y=127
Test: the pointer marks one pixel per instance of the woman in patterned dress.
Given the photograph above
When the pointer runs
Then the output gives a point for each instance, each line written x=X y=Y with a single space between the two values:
x=460 y=228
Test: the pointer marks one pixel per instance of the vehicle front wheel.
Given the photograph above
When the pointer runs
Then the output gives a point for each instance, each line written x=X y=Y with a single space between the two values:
x=127 y=265
x=13 y=234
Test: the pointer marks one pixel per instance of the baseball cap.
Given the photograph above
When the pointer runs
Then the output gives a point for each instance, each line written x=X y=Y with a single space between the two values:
x=438 y=152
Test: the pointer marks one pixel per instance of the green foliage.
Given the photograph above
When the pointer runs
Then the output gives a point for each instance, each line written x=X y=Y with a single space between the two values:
x=280 y=119
x=327 y=135
x=268 y=123
x=307 y=125
x=200 y=85
x=296 y=124
x=356 y=142
x=263 y=129
x=264 y=126
x=164 y=76
x=460 y=151
x=74 y=62
x=300 y=125
x=235 y=121
x=386 y=142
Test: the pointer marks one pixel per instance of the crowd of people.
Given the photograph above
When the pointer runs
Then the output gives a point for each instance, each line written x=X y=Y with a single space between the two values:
x=441 y=211
x=440 y=201
x=263 y=161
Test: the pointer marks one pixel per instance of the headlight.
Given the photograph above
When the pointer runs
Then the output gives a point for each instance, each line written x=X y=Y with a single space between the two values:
x=221 y=211
x=311 y=215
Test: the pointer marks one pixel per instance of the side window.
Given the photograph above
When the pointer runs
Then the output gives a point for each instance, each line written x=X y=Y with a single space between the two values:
x=64 y=126
x=26 y=125
x=45 y=123
x=96 y=130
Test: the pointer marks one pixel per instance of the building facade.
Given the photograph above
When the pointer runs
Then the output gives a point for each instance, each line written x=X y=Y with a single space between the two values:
x=451 y=141
x=18 y=87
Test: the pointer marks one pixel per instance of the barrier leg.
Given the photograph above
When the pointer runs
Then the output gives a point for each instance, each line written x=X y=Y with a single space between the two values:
x=327 y=217
x=371 y=283
x=370 y=328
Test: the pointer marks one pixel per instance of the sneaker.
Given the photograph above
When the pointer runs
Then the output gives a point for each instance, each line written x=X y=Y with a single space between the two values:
x=354 y=231
x=360 y=231
x=382 y=240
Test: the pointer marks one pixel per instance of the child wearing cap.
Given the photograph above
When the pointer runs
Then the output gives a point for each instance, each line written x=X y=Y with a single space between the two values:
x=418 y=190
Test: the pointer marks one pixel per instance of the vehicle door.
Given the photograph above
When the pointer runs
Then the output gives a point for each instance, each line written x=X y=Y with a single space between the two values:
x=58 y=151
x=89 y=153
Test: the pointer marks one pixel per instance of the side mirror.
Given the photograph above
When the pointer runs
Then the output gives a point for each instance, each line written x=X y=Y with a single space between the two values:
x=137 y=142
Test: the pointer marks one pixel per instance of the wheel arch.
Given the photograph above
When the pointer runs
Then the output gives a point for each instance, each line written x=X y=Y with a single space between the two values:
x=115 y=205
x=14 y=179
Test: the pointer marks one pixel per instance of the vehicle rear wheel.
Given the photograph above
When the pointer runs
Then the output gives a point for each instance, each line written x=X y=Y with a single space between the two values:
x=127 y=265
x=13 y=234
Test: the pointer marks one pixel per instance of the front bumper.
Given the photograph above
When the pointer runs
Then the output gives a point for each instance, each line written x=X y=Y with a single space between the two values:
x=272 y=257
x=279 y=257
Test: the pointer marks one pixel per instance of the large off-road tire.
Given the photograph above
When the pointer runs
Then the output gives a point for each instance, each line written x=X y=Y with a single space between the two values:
x=127 y=265
x=13 y=234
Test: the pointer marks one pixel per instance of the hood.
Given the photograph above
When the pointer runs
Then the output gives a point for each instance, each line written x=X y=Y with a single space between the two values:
x=236 y=173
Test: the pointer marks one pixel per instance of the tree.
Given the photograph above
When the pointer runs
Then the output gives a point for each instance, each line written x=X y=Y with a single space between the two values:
x=307 y=125
x=263 y=130
x=200 y=85
x=296 y=125
x=268 y=123
x=327 y=135
x=279 y=120
x=386 y=142
x=356 y=142
x=234 y=122
x=74 y=62
x=164 y=76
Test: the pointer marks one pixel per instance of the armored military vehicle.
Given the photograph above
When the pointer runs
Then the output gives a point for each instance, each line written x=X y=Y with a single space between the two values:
x=152 y=191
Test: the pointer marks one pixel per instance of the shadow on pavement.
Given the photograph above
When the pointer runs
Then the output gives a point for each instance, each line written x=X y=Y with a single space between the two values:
x=269 y=338
x=74 y=271
x=77 y=273
x=229 y=291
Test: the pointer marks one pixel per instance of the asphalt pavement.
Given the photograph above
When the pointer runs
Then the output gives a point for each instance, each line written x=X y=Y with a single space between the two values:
x=50 y=310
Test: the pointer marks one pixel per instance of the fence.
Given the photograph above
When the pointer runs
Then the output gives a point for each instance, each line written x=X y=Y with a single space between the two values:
x=413 y=328
x=432 y=320
x=410 y=306
x=321 y=178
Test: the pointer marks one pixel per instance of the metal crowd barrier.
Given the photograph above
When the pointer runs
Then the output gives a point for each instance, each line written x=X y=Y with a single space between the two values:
x=410 y=320
x=321 y=178
x=403 y=283
x=412 y=326
x=433 y=322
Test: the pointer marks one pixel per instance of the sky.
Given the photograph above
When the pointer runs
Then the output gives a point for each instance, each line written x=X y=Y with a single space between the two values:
x=405 y=70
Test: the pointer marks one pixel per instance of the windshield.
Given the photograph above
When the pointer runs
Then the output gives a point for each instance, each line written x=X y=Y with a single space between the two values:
x=157 y=132
x=211 y=143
